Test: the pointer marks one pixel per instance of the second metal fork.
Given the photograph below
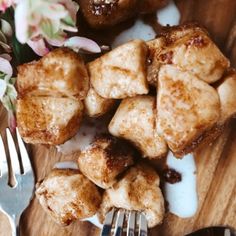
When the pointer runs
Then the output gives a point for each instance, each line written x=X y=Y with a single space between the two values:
x=15 y=198
x=116 y=223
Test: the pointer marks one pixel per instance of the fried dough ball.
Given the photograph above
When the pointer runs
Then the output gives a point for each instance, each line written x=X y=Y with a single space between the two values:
x=95 y=105
x=138 y=190
x=61 y=72
x=66 y=195
x=104 y=160
x=189 y=48
x=187 y=107
x=135 y=121
x=121 y=72
x=48 y=120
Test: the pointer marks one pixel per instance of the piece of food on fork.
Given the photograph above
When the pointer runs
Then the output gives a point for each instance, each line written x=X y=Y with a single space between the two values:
x=105 y=159
x=138 y=190
x=66 y=195
x=49 y=107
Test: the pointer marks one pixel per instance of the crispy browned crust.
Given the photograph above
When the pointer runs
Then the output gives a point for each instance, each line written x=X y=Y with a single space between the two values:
x=47 y=137
x=174 y=32
x=206 y=138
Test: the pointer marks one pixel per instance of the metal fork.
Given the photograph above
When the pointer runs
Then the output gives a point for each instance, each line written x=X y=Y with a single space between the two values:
x=14 y=199
x=117 y=222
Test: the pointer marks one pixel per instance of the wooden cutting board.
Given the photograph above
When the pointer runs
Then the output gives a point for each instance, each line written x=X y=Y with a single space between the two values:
x=216 y=164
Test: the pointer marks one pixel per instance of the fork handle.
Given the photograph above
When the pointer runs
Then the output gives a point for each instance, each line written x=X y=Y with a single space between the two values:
x=14 y=222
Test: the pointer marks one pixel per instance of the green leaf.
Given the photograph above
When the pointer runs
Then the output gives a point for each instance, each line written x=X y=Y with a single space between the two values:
x=68 y=21
x=6 y=101
x=47 y=28
x=11 y=92
x=12 y=80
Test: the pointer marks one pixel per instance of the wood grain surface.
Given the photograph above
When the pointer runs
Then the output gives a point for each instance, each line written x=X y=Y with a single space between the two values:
x=216 y=164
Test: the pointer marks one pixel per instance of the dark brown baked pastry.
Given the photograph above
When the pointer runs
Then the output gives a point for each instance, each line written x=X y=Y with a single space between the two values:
x=105 y=13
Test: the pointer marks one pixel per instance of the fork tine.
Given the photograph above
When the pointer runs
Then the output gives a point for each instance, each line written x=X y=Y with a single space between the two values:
x=108 y=223
x=3 y=159
x=24 y=154
x=131 y=224
x=142 y=225
x=119 y=223
x=13 y=154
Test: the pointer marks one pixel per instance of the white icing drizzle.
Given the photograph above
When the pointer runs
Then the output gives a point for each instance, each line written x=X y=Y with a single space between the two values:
x=66 y=165
x=94 y=220
x=182 y=196
x=139 y=30
x=88 y=130
x=169 y=15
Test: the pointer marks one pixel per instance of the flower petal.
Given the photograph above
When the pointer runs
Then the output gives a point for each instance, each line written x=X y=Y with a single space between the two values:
x=72 y=7
x=3 y=87
x=53 y=11
x=5 y=47
x=6 y=28
x=5 y=67
x=77 y=43
x=21 y=21
x=58 y=40
x=6 y=56
x=4 y=4
x=38 y=46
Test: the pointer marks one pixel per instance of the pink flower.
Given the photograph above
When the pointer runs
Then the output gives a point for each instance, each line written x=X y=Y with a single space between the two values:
x=45 y=20
x=4 y=4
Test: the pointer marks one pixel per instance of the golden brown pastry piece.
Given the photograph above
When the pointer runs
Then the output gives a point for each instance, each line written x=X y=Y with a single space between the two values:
x=48 y=120
x=227 y=93
x=121 y=73
x=61 y=72
x=189 y=48
x=66 y=195
x=135 y=120
x=106 y=13
x=104 y=160
x=226 y=89
x=95 y=105
x=186 y=108
x=49 y=107
x=138 y=190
